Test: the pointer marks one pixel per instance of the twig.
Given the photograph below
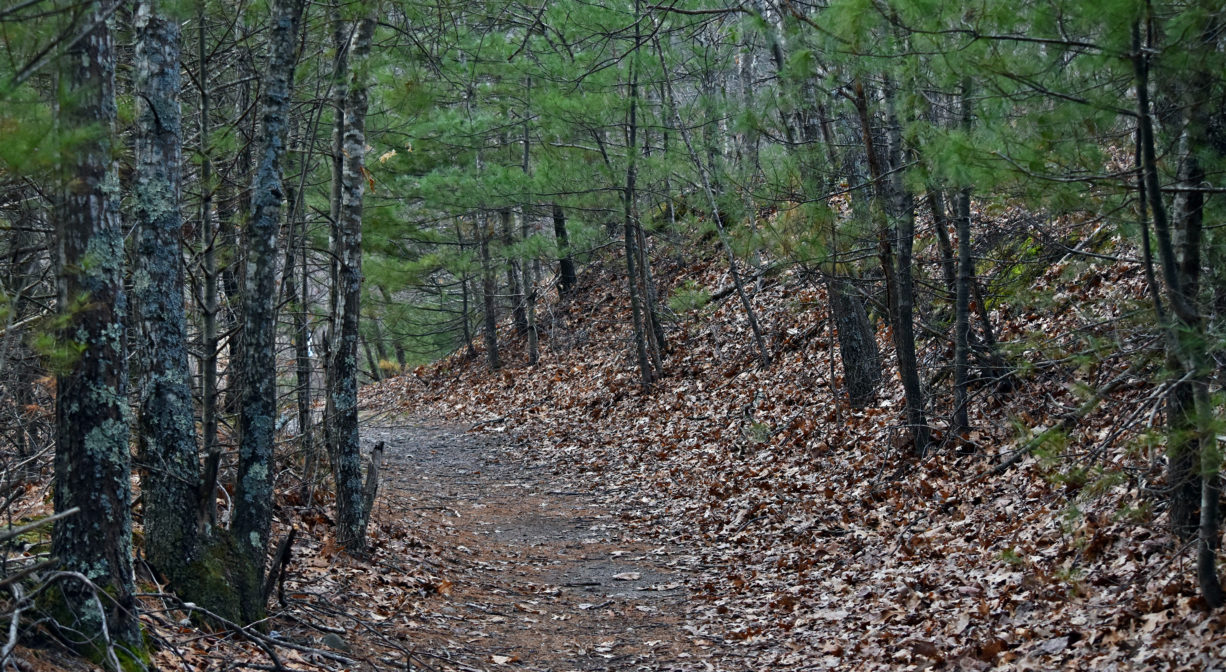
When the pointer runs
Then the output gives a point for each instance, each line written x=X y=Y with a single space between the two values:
x=256 y=637
x=12 y=578
x=1067 y=422
x=276 y=576
x=18 y=531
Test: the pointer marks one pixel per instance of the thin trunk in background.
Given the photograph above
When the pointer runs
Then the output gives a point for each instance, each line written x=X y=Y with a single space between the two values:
x=759 y=341
x=209 y=337
x=515 y=289
x=566 y=265
x=960 y=422
x=896 y=240
x=489 y=286
x=529 y=271
x=647 y=372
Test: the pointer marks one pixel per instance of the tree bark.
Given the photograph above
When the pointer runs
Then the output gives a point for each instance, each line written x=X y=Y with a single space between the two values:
x=345 y=448
x=1186 y=337
x=91 y=457
x=857 y=344
x=170 y=474
x=257 y=419
x=489 y=285
x=566 y=264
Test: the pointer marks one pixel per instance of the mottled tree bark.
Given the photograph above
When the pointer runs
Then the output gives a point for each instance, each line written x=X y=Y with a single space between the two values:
x=257 y=419
x=91 y=459
x=169 y=470
x=345 y=447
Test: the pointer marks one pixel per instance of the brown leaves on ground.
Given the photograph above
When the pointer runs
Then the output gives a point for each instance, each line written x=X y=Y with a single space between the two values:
x=821 y=542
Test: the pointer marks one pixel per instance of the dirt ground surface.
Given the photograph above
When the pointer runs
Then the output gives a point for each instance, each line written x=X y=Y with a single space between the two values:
x=537 y=574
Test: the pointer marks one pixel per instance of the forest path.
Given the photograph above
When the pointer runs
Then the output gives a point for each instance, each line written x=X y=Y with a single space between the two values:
x=537 y=574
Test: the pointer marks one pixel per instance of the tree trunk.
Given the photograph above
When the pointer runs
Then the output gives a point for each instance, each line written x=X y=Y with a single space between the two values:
x=515 y=290
x=91 y=458
x=529 y=271
x=489 y=284
x=534 y=351
x=295 y=286
x=302 y=360
x=257 y=419
x=857 y=344
x=647 y=374
x=566 y=265
x=345 y=449
x=962 y=316
x=1186 y=329
x=169 y=474
x=209 y=337
x=960 y=421
x=945 y=247
x=236 y=207
x=372 y=364
x=397 y=346
x=464 y=310
x=857 y=339
x=896 y=240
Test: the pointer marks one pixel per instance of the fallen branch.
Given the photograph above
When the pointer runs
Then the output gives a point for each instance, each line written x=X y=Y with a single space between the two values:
x=725 y=292
x=371 y=487
x=255 y=636
x=12 y=532
x=1066 y=423
x=280 y=561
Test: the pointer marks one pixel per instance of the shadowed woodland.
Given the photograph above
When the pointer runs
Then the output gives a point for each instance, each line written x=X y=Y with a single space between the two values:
x=374 y=334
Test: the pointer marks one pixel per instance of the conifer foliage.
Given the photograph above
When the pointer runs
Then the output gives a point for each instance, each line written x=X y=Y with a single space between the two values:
x=218 y=220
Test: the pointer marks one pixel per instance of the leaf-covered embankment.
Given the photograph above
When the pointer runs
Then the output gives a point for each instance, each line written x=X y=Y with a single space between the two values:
x=822 y=541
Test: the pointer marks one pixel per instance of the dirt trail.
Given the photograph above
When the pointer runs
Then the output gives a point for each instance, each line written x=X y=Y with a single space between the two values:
x=538 y=574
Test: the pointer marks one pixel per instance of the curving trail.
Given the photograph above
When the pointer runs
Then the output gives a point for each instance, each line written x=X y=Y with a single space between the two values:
x=535 y=573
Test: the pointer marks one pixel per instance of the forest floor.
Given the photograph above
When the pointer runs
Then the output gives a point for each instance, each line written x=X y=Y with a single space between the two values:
x=481 y=561
x=558 y=517
x=540 y=571
x=805 y=534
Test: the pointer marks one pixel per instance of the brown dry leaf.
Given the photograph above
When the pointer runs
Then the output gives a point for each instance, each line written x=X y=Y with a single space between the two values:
x=444 y=587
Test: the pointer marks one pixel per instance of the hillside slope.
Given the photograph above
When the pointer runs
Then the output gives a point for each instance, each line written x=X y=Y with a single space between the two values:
x=823 y=544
